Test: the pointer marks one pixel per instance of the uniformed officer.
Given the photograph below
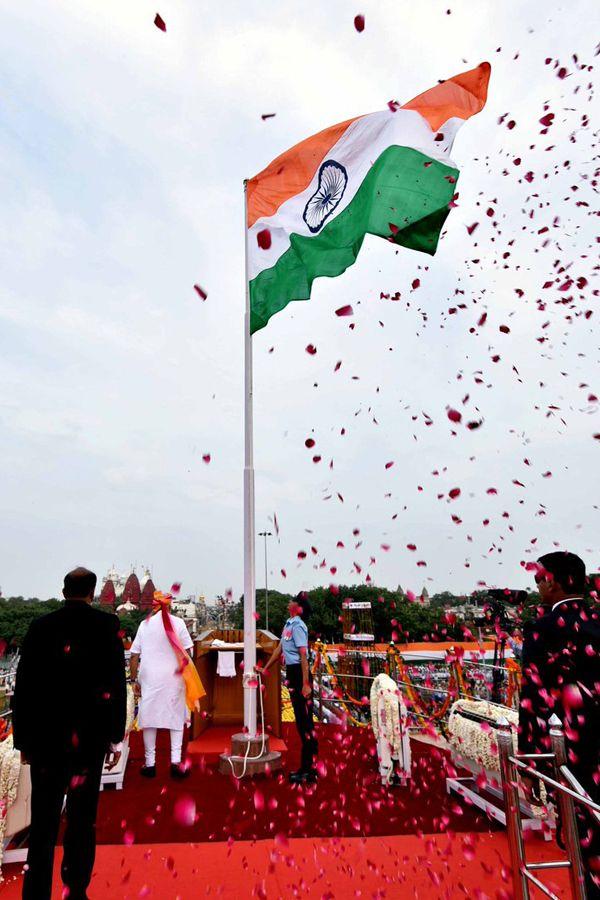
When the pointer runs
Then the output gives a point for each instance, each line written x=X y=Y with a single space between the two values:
x=294 y=646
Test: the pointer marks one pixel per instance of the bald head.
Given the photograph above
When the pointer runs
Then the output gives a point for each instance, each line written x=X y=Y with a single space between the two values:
x=80 y=584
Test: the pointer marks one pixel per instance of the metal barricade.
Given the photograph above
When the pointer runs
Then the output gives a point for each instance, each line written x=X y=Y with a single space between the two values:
x=510 y=765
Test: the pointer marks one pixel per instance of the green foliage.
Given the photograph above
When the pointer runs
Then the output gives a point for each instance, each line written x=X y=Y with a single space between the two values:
x=444 y=598
x=130 y=622
x=17 y=614
x=529 y=610
x=394 y=616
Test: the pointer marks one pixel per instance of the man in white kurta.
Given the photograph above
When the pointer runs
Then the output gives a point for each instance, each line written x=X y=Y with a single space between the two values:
x=162 y=703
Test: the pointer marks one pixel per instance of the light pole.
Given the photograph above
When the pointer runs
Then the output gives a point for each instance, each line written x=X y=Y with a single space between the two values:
x=265 y=535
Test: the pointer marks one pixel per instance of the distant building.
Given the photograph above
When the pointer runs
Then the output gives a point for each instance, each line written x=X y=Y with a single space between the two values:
x=125 y=593
x=202 y=611
x=108 y=594
x=187 y=609
x=113 y=581
x=148 y=589
x=425 y=597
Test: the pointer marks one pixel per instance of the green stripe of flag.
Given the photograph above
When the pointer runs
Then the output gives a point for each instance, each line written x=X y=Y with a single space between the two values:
x=404 y=188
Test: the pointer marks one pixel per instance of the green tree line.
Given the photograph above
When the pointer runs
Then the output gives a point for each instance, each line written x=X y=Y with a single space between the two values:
x=17 y=614
x=395 y=617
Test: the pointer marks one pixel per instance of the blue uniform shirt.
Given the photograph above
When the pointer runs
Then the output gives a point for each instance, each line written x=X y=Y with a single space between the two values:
x=294 y=636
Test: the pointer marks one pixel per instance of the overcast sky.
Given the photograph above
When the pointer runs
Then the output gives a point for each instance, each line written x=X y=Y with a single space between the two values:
x=122 y=155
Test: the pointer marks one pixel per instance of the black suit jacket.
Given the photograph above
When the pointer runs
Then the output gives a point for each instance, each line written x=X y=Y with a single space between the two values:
x=561 y=674
x=70 y=691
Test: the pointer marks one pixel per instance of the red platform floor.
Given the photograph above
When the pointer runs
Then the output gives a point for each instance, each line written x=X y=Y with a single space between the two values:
x=347 y=801
x=346 y=836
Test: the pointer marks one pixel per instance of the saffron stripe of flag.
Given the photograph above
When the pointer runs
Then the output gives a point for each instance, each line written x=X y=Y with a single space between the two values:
x=388 y=174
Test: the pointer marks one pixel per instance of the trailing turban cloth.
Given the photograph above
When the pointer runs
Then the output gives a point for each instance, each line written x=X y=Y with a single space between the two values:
x=194 y=689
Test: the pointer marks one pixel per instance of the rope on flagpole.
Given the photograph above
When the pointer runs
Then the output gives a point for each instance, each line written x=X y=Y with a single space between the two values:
x=249 y=530
x=246 y=758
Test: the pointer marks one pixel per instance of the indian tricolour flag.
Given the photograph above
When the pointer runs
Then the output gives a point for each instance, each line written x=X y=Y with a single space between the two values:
x=387 y=174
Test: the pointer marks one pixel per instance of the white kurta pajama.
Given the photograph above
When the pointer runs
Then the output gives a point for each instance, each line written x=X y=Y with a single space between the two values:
x=162 y=704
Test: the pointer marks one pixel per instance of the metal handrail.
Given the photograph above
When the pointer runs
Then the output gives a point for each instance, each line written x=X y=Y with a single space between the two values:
x=510 y=765
x=482 y=665
x=581 y=796
x=417 y=687
x=323 y=677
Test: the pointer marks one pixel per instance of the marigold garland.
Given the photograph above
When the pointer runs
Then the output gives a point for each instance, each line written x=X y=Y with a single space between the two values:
x=343 y=700
x=457 y=686
x=514 y=681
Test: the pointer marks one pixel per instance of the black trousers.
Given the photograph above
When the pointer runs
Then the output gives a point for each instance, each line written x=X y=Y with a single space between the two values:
x=589 y=835
x=588 y=828
x=303 y=711
x=77 y=775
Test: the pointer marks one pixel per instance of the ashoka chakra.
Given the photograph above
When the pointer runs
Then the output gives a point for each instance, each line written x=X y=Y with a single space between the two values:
x=333 y=179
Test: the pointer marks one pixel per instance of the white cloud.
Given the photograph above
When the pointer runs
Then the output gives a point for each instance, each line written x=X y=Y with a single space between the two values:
x=122 y=158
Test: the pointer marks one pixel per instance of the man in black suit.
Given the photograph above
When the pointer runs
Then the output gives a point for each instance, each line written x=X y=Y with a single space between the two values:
x=69 y=709
x=561 y=675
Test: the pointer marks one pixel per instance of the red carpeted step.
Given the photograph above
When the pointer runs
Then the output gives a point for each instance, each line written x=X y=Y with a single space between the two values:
x=430 y=866
x=217 y=740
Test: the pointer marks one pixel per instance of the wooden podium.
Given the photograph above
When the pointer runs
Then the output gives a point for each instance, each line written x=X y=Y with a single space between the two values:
x=224 y=700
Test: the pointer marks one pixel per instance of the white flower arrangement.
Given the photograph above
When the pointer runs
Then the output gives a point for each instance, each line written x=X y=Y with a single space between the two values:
x=385 y=712
x=389 y=722
x=474 y=740
x=10 y=769
x=130 y=717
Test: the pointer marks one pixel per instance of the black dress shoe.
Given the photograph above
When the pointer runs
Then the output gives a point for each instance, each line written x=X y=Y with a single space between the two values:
x=178 y=771
x=148 y=771
x=301 y=777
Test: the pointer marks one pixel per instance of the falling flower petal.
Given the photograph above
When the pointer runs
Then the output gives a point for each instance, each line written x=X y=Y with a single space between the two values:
x=184 y=811
x=263 y=239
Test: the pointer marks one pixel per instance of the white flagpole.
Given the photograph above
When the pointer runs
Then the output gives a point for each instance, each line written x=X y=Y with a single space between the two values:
x=249 y=530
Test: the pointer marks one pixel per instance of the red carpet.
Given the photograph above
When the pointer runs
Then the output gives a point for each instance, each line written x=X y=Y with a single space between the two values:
x=425 y=868
x=347 y=801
